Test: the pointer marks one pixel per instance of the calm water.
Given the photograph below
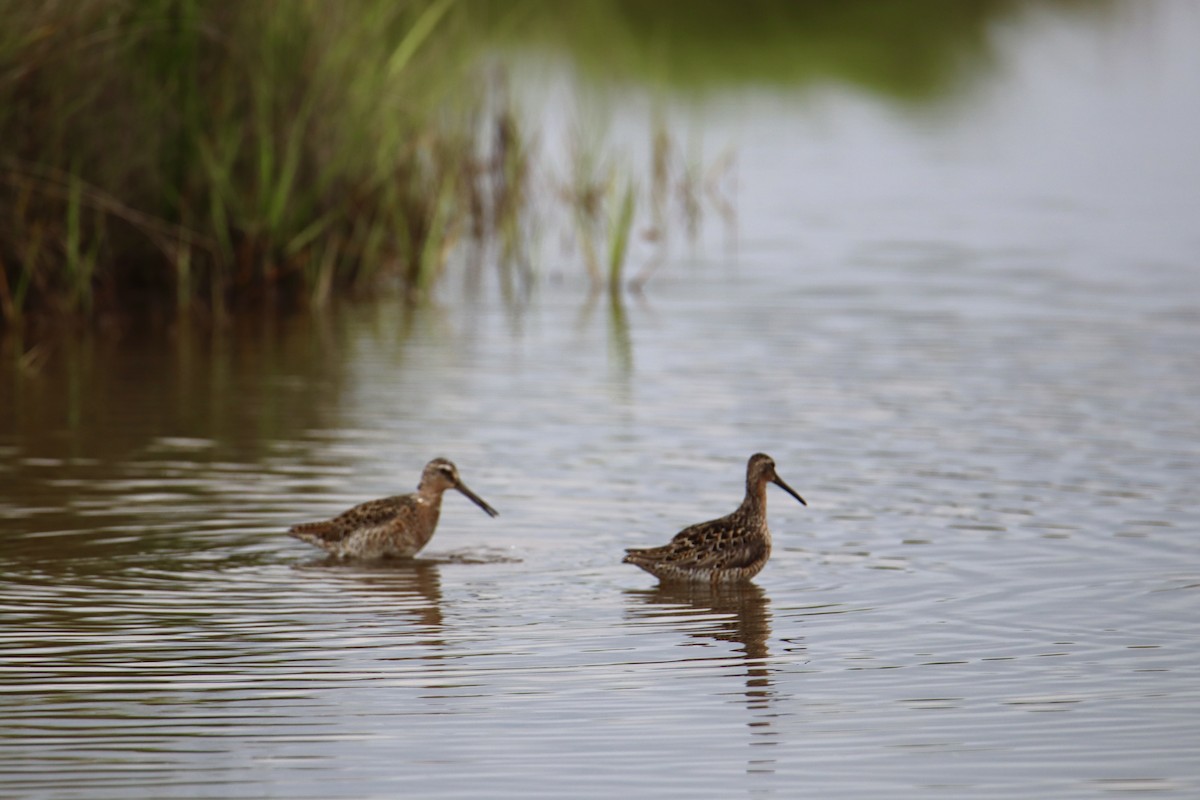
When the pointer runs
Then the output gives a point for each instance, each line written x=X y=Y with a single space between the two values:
x=969 y=340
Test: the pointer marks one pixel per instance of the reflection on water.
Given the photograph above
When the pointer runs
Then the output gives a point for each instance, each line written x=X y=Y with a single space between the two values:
x=736 y=614
x=410 y=586
x=619 y=340
x=981 y=368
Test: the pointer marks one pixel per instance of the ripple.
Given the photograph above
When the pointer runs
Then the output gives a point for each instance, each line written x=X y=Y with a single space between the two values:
x=992 y=594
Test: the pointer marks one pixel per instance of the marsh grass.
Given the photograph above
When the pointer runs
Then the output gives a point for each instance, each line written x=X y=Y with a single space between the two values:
x=619 y=209
x=222 y=152
x=619 y=232
x=210 y=154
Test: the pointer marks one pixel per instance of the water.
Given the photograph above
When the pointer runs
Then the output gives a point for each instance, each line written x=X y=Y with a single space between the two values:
x=969 y=342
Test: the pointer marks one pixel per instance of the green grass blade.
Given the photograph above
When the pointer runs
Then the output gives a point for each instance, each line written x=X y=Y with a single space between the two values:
x=416 y=36
x=619 y=237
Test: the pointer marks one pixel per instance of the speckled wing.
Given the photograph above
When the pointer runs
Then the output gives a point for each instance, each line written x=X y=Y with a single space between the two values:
x=362 y=519
x=712 y=545
x=705 y=546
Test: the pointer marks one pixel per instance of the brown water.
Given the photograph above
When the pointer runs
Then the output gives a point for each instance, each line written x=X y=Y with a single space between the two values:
x=970 y=342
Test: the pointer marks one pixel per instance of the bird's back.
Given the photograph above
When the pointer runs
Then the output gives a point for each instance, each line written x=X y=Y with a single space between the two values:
x=732 y=548
x=368 y=524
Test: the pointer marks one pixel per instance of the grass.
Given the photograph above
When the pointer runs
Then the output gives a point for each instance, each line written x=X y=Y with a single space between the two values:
x=211 y=154
x=217 y=152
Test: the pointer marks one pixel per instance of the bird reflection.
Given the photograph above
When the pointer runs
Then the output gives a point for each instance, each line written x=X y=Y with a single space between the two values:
x=740 y=614
x=413 y=587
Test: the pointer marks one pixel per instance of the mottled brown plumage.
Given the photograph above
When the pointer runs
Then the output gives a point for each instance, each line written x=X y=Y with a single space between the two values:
x=393 y=527
x=727 y=550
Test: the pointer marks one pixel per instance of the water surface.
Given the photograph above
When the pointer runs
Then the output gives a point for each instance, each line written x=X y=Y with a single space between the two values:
x=969 y=342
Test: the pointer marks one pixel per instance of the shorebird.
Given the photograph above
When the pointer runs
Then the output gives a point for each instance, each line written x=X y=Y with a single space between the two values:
x=392 y=527
x=731 y=549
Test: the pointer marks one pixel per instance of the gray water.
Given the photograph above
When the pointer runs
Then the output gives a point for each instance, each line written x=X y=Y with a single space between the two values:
x=968 y=338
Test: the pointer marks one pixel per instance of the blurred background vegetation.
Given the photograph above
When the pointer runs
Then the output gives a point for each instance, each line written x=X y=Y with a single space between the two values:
x=204 y=155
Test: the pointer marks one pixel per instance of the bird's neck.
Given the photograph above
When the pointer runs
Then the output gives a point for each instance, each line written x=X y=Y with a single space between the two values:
x=755 y=503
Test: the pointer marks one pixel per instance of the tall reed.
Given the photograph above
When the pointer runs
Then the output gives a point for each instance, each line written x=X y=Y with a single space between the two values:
x=222 y=151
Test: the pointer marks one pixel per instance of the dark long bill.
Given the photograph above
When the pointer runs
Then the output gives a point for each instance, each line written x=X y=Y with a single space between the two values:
x=477 y=500
x=778 y=481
